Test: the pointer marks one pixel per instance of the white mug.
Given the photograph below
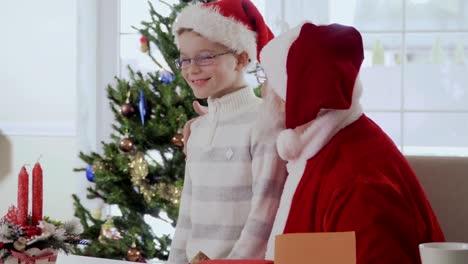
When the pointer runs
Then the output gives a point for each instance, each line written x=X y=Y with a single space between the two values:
x=444 y=253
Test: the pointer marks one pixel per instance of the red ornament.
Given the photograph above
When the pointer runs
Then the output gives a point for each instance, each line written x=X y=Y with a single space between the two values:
x=23 y=196
x=37 y=194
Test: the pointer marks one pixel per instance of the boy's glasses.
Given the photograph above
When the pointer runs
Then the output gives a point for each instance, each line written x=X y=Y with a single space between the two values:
x=260 y=74
x=200 y=60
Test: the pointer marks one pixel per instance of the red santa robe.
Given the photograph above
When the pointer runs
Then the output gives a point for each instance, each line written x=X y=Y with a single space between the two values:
x=345 y=173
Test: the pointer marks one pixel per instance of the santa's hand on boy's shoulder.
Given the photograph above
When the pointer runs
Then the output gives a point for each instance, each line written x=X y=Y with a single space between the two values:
x=199 y=109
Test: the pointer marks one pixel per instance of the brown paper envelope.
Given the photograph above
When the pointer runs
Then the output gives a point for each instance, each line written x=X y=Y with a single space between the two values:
x=312 y=248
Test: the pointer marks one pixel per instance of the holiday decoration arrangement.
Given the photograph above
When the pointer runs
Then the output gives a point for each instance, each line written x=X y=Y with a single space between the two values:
x=33 y=238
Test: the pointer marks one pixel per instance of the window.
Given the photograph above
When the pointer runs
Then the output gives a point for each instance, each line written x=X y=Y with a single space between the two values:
x=415 y=71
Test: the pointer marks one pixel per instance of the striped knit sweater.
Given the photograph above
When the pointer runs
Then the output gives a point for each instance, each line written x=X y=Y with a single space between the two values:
x=233 y=182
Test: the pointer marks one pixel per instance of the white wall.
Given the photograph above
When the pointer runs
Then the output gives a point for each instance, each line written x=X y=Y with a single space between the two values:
x=38 y=83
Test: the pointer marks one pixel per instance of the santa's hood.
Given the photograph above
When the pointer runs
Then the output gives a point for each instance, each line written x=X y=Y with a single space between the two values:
x=312 y=68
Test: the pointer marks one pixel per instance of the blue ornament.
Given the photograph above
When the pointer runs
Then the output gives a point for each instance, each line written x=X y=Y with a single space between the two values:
x=142 y=107
x=166 y=77
x=90 y=173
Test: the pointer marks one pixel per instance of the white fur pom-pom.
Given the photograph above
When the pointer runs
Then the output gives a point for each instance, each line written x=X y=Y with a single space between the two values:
x=289 y=144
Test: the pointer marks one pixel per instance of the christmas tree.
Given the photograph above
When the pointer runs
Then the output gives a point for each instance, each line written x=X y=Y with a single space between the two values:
x=141 y=170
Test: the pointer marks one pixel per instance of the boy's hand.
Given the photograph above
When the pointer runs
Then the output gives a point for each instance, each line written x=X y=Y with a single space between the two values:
x=199 y=258
x=199 y=109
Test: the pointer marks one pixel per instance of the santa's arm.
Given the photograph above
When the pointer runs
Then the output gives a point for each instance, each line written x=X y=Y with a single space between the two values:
x=269 y=174
x=383 y=221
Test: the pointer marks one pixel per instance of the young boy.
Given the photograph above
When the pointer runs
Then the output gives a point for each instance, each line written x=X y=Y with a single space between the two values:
x=233 y=175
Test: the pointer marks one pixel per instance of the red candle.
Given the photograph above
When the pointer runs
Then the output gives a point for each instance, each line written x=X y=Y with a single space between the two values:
x=23 y=196
x=37 y=194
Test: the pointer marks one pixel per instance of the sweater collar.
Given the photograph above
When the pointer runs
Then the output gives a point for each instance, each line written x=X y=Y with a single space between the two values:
x=233 y=102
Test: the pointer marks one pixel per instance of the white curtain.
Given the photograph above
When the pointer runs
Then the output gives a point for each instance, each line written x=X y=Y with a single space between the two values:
x=98 y=58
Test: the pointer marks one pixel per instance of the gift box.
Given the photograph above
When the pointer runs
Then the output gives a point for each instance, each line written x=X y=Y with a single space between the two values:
x=323 y=248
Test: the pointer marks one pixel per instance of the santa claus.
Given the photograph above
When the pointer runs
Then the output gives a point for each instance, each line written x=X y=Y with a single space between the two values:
x=345 y=173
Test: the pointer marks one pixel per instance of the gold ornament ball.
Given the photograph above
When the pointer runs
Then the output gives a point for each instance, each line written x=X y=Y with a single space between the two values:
x=133 y=254
x=178 y=140
x=126 y=144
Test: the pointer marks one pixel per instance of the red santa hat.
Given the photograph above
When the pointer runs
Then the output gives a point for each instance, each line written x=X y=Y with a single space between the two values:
x=314 y=68
x=237 y=24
